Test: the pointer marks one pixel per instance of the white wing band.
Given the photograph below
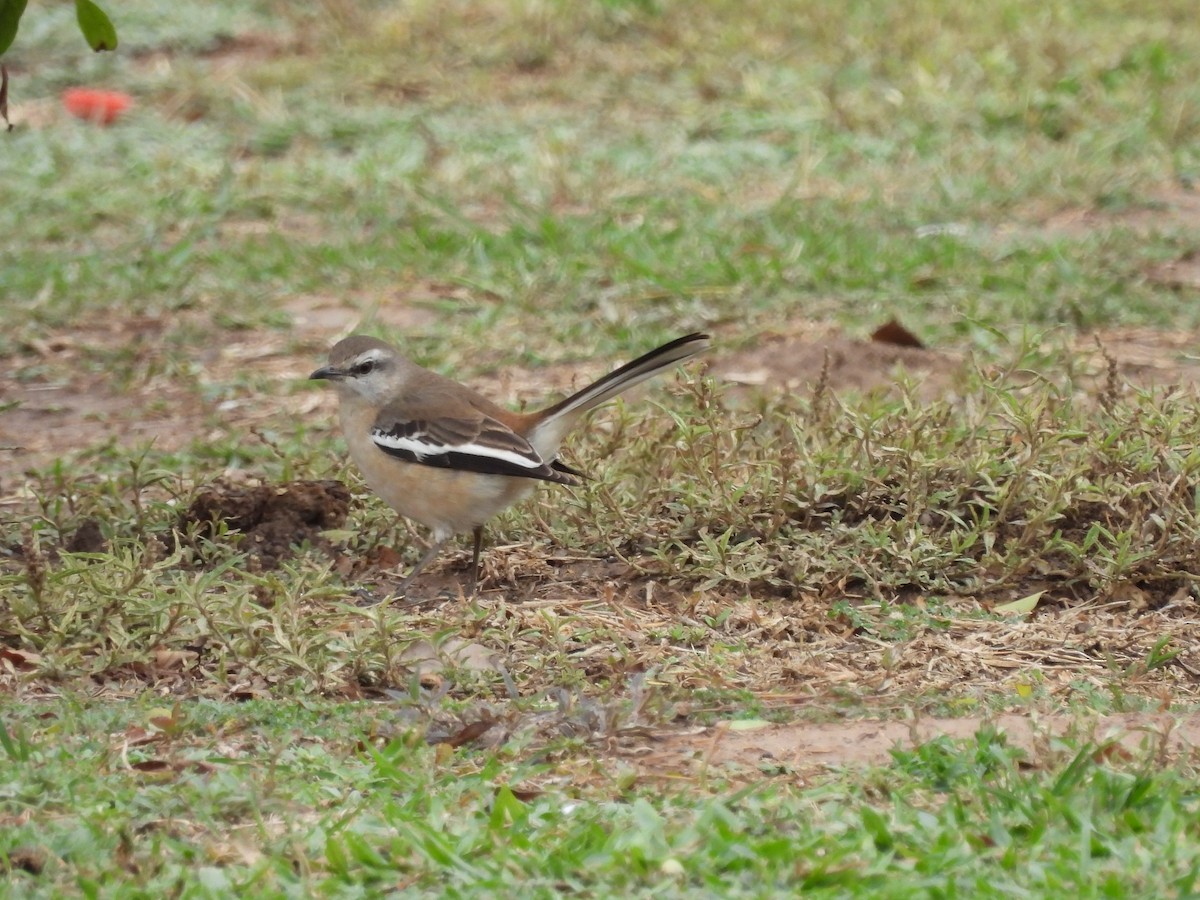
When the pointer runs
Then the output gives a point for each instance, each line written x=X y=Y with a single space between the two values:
x=421 y=450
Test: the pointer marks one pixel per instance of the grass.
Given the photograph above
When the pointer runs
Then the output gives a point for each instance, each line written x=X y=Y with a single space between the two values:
x=255 y=798
x=517 y=191
x=836 y=517
x=274 y=801
x=568 y=178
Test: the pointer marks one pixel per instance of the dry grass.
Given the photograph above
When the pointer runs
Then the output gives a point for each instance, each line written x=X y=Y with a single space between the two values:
x=796 y=552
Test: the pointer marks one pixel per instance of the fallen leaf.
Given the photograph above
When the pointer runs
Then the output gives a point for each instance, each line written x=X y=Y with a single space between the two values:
x=386 y=558
x=165 y=720
x=892 y=332
x=136 y=736
x=469 y=733
x=1023 y=607
x=20 y=660
x=241 y=853
x=172 y=767
x=152 y=766
x=526 y=795
x=1112 y=752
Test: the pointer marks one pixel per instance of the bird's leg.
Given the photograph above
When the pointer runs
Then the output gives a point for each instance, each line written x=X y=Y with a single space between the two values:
x=475 y=560
x=425 y=560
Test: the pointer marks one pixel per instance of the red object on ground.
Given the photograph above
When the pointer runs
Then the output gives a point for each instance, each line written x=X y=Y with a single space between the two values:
x=102 y=107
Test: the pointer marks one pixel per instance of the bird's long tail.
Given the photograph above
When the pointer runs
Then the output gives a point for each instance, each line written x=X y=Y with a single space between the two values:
x=558 y=419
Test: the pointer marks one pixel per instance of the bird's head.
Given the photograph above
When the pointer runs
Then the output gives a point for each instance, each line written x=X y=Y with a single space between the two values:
x=365 y=366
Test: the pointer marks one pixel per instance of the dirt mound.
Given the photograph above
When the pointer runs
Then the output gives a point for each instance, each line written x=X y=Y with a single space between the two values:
x=273 y=519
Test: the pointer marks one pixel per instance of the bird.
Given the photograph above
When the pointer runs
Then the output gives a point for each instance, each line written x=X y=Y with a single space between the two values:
x=443 y=455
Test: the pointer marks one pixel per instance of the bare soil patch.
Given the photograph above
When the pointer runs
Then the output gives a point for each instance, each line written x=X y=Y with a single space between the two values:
x=56 y=404
x=1182 y=274
x=61 y=418
x=806 y=355
x=324 y=318
x=1172 y=207
x=1145 y=357
x=806 y=749
x=803 y=356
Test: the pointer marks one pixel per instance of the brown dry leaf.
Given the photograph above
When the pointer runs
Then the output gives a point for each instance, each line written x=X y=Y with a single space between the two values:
x=1112 y=752
x=892 y=332
x=469 y=733
x=526 y=795
x=168 y=721
x=1131 y=595
x=255 y=689
x=125 y=855
x=171 y=767
x=19 y=660
x=386 y=558
x=136 y=736
x=431 y=681
x=52 y=346
x=152 y=766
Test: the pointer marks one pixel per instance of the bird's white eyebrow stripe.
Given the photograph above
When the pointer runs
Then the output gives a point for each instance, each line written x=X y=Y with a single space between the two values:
x=421 y=449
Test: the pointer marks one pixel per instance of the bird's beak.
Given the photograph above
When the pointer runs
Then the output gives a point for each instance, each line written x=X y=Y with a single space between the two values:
x=327 y=373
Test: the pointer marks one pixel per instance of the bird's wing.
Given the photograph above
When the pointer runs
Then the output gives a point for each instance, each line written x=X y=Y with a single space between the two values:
x=469 y=441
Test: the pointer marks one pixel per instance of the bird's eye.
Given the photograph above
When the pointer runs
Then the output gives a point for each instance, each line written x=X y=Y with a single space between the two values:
x=362 y=368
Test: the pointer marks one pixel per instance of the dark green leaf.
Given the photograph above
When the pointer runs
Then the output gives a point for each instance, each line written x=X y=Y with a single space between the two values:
x=97 y=29
x=10 y=18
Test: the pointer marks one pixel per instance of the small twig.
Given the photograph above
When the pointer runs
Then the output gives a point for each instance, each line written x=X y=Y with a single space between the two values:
x=719 y=732
x=820 y=390
x=4 y=96
x=396 y=603
x=1112 y=382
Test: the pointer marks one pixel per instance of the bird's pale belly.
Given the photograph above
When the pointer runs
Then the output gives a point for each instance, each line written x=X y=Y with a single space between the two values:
x=445 y=500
